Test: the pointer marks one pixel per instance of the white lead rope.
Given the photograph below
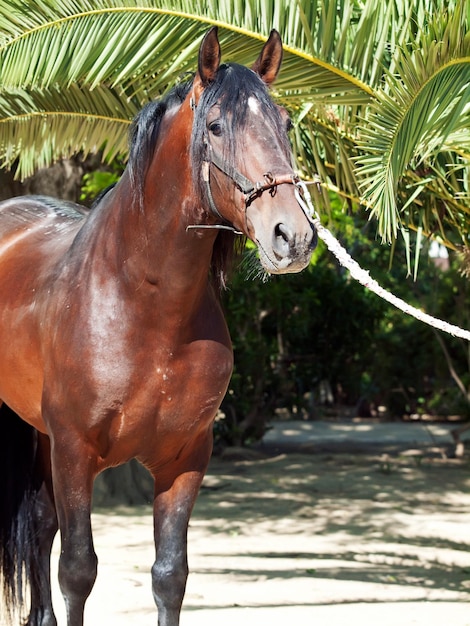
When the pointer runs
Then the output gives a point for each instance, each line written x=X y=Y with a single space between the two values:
x=362 y=276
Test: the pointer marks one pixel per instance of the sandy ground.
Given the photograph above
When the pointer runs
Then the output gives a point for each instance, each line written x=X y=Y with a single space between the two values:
x=312 y=538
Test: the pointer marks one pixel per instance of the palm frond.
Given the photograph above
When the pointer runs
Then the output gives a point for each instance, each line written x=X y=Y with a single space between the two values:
x=114 y=41
x=40 y=126
x=135 y=49
x=412 y=119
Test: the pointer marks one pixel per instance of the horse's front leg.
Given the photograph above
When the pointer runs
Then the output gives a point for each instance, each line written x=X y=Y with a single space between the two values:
x=73 y=470
x=172 y=509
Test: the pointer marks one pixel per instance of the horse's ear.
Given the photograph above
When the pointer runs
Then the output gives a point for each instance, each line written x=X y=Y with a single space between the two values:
x=209 y=57
x=268 y=63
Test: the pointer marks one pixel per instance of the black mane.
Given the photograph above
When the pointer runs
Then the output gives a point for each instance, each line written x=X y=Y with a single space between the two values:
x=144 y=132
x=233 y=86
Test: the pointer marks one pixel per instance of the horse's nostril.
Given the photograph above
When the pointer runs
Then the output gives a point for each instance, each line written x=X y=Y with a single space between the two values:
x=282 y=240
x=282 y=232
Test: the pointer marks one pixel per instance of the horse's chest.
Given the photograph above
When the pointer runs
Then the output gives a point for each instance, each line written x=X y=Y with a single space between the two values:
x=192 y=380
x=173 y=402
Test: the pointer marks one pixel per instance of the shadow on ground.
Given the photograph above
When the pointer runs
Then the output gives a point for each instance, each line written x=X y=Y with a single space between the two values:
x=327 y=538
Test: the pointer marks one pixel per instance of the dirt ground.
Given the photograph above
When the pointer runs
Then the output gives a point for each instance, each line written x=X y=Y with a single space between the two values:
x=318 y=538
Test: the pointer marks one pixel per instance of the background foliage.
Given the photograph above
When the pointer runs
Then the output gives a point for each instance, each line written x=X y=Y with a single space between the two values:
x=318 y=344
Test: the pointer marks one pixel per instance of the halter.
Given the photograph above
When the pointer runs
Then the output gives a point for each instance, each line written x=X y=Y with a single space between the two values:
x=250 y=190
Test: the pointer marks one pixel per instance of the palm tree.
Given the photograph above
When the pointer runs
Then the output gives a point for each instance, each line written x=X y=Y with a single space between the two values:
x=378 y=91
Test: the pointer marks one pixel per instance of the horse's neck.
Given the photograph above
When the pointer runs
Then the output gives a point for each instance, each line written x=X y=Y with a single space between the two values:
x=147 y=241
x=151 y=248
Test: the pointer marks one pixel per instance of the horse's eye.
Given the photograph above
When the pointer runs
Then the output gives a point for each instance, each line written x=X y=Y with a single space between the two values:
x=289 y=124
x=216 y=128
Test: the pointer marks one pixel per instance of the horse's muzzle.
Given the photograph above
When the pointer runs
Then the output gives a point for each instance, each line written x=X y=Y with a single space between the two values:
x=288 y=249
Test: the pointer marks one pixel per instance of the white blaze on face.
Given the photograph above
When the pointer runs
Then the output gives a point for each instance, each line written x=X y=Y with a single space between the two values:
x=253 y=105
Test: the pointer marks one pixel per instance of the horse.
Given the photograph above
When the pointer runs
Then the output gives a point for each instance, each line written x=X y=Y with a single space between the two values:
x=113 y=340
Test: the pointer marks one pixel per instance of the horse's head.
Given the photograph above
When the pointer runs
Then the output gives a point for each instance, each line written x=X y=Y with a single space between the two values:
x=242 y=157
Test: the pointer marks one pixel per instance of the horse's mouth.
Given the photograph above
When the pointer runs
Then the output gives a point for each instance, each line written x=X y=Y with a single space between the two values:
x=290 y=264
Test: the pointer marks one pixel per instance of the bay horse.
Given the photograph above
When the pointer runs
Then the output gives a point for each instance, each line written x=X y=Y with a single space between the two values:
x=113 y=341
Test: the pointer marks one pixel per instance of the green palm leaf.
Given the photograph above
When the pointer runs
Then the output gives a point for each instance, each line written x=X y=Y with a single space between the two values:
x=135 y=48
x=415 y=118
x=39 y=126
x=117 y=42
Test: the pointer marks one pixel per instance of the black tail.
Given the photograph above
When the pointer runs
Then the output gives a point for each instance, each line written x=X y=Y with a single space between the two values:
x=19 y=484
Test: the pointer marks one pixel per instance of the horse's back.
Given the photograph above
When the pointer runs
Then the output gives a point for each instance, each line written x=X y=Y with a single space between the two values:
x=25 y=213
x=35 y=232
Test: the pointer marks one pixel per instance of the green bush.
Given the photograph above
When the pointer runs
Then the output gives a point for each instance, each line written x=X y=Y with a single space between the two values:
x=294 y=332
